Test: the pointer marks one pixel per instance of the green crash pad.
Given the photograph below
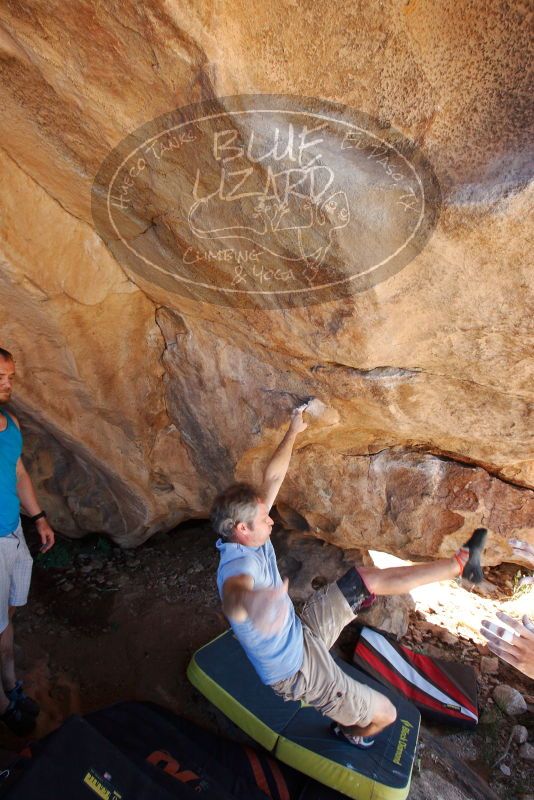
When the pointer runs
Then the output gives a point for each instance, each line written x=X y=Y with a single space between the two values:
x=299 y=735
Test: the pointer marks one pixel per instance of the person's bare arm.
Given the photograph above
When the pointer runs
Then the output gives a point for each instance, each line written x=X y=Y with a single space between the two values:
x=234 y=590
x=277 y=467
x=267 y=609
x=514 y=644
x=28 y=498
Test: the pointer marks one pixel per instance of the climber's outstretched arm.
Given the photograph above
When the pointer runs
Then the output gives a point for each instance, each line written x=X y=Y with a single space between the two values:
x=277 y=467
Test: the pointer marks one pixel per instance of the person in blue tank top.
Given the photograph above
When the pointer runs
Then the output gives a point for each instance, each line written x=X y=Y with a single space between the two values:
x=291 y=653
x=17 y=710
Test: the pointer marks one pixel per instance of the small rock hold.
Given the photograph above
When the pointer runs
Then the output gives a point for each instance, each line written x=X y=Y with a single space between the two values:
x=489 y=716
x=67 y=587
x=448 y=638
x=526 y=751
x=509 y=700
x=519 y=734
x=489 y=665
x=433 y=651
x=505 y=770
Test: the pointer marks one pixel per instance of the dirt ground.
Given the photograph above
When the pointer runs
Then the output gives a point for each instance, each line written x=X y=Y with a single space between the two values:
x=104 y=625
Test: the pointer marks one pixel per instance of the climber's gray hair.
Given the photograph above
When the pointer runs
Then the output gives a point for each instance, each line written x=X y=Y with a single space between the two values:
x=236 y=504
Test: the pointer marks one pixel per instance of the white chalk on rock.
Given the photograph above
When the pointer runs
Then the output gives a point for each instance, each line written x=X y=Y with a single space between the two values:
x=316 y=408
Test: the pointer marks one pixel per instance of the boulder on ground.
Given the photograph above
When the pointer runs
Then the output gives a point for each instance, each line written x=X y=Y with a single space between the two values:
x=509 y=700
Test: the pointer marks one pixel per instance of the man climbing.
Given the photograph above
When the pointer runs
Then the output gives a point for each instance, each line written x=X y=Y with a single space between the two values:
x=289 y=653
x=17 y=710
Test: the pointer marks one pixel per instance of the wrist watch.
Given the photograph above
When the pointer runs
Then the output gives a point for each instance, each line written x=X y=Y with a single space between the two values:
x=40 y=515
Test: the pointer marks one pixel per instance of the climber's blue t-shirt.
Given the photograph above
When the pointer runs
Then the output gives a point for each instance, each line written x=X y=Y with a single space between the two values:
x=277 y=657
x=10 y=451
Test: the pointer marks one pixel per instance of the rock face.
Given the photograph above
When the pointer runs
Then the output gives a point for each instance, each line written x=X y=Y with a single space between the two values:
x=139 y=403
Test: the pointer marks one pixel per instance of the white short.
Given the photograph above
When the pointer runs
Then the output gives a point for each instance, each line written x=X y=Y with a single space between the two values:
x=15 y=573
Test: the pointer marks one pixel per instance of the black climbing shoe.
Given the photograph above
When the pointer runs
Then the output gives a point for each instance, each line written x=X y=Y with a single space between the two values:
x=17 y=721
x=363 y=742
x=22 y=701
x=472 y=570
